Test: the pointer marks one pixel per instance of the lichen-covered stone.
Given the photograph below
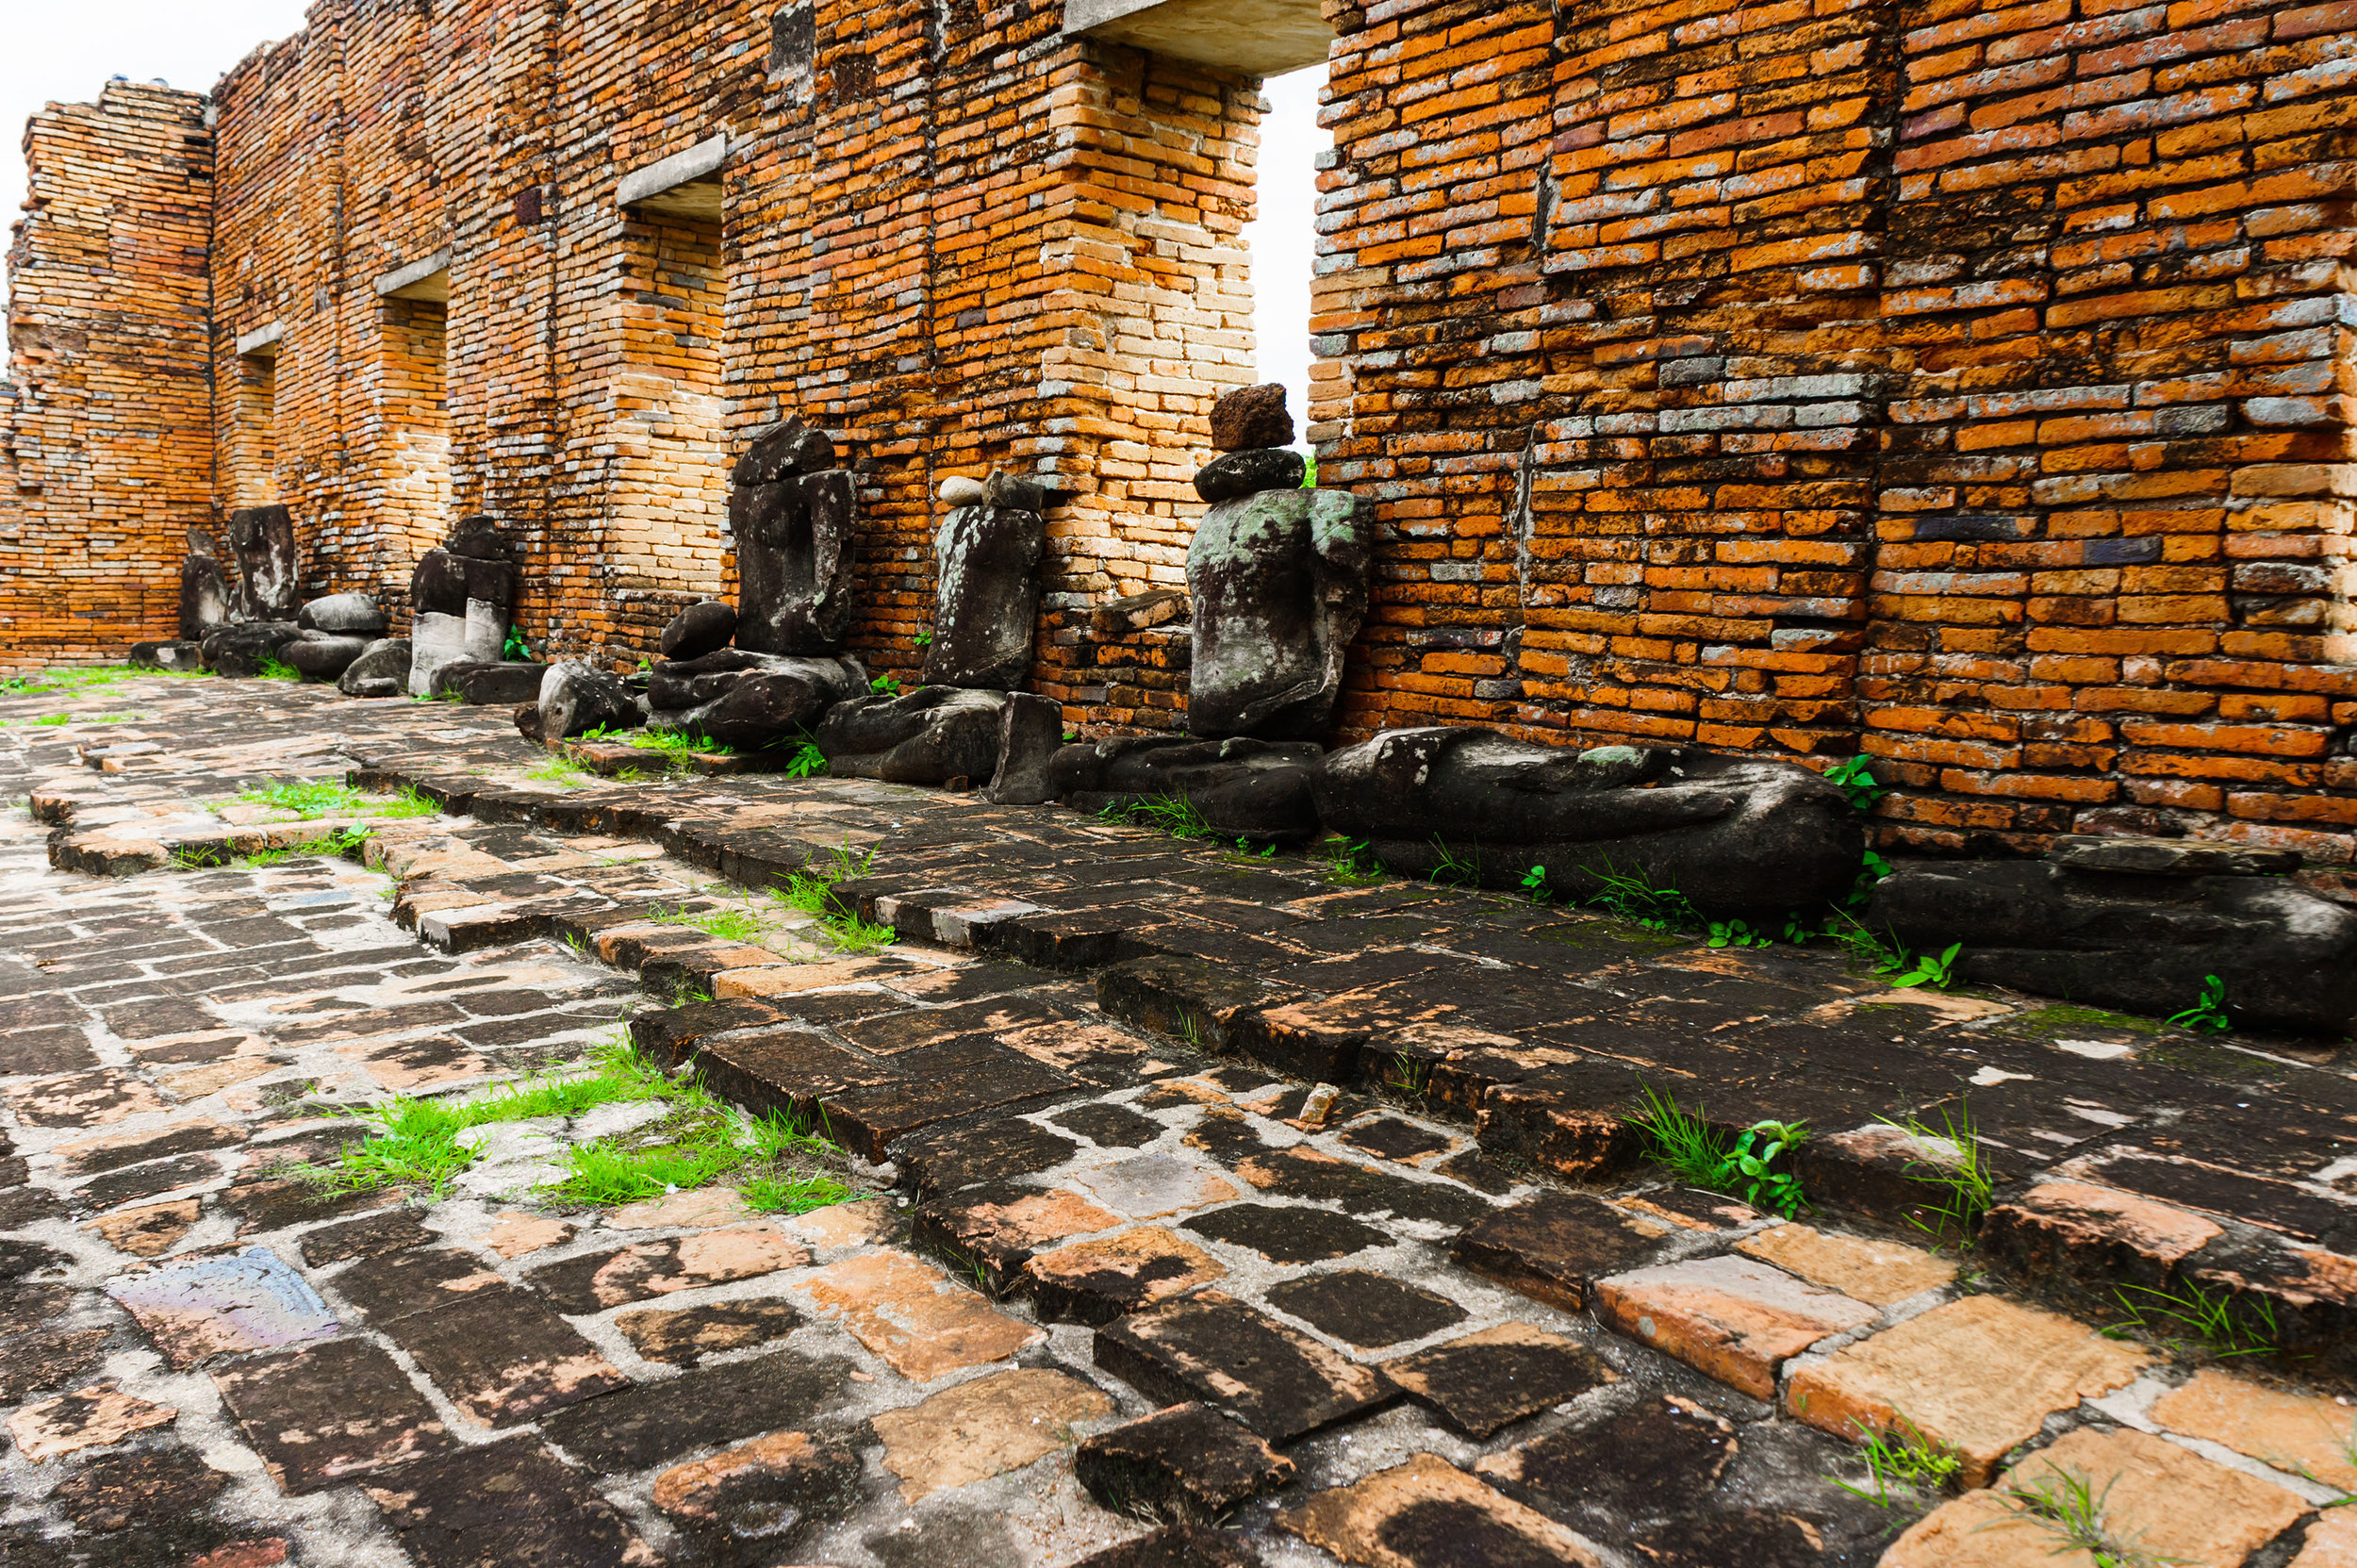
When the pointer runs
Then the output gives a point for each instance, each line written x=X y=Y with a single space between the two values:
x=1279 y=582
x=986 y=589
x=1252 y=417
x=934 y=735
x=269 y=567
x=794 y=541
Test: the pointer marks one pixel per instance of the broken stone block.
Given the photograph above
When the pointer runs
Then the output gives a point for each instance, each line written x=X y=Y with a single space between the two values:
x=269 y=566
x=1213 y=1348
x=1732 y=833
x=167 y=655
x=1732 y=1318
x=794 y=532
x=488 y=682
x=726 y=1402
x=931 y=735
x=2134 y=940
x=1234 y=475
x=321 y=1415
x=1484 y=1382
x=1555 y=1245
x=745 y=1503
x=1279 y=582
x=1241 y=788
x=704 y=627
x=683 y=1336
x=239 y=650
x=748 y=700
x=1428 y=1513
x=434 y=639
x=2305 y=1433
x=206 y=602
x=996 y=1227
x=576 y=697
x=2094 y=1236
x=1252 y=417
x=1095 y=1282
x=1136 y=612
x=1186 y=1463
x=1979 y=1376
x=343 y=614
x=984 y=1428
x=1656 y=1455
x=323 y=655
x=1030 y=732
x=986 y=588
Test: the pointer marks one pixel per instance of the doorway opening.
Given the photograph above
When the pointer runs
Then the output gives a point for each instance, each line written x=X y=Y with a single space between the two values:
x=1283 y=242
x=253 y=456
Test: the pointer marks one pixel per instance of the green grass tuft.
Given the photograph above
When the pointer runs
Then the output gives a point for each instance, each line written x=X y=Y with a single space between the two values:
x=1755 y=1164
x=1172 y=813
x=1904 y=1459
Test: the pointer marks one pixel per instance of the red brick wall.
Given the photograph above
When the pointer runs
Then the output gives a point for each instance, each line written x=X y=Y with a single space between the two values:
x=105 y=441
x=1963 y=386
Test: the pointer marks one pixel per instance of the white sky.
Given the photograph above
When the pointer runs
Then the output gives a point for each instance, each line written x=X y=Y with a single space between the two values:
x=66 y=55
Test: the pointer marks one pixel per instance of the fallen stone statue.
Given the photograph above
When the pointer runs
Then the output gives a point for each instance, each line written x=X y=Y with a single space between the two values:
x=931 y=735
x=748 y=700
x=1242 y=788
x=576 y=697
x=1734 y=835
x=2138 y=924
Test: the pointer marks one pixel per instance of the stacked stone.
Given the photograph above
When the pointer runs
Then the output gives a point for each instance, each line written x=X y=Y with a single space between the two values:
x=333 y=633
x=461 y=597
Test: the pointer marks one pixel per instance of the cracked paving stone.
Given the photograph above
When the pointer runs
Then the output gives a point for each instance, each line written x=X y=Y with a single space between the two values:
x=983 y=1428
x=923 y=1324
x=1881 y=1274
x=1095 y=1282
x=1658 y=1458
x=1110 y=1126
x=149 y=1181
x=686 y=1335
x=1731 y=1318
x=145 y=1486
x=1979 y=1376
x=1554 y=1247
x=1148 y=1186
x=2292 y=1431
x=1185 y=1463
x=1484 y=1382
x=1284 y=1235
x=502 y=1357
x=1301 y=1172
x=223 y=1303
x=760 y=1497
x=603 y=1279
x=999 y=1224
x=150 y=1231
x=326 y=1413
x=1390 y=1138
x=393 y=1231
x=508 y=1502
x=2173 y=1505
x=1216 y=1351
x=397 y=1284
x=1428 y=1513
x=639 y=1426
x=98 y=1416
x=1368 y=1311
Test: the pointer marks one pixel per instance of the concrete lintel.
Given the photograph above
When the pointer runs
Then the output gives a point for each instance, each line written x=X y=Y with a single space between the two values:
x=686 y=184
x=1265 y=38
x=427 y=278
x=262 y=340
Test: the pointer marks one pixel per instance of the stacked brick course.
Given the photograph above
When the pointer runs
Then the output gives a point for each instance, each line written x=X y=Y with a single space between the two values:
x=106 y=432
x=1965 y=386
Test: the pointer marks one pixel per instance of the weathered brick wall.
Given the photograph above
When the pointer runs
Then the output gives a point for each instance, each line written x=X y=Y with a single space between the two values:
x=106 y=450
x=1965 y=385
x=952 y=238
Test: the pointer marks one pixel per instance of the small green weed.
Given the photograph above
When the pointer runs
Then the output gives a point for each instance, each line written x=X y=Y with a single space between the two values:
x=1172 y=813
x=1939 y=972
x=1854 y=778
x=774 y=1194
x=922 y=639
x=1632 y=896
x=675 y=746
x=1687 y=1144
x=274 y=669
x=1535 y=883
x=1349 y=861
x=1736 y=934
x=57 y=720
x=729 y=925
x=1968 y=1186
x=1452 y=869
x=561 y=772
x=811 y=892
x=1902 y=1458
x=2208 y=1012
x=515 y=649
x=87 y=678
x=2064 y=1504
x=809 y=762
x=1892 y=959
x=886 y=685
x=2229 y=1323
x=343 y=841
x=1873 y=868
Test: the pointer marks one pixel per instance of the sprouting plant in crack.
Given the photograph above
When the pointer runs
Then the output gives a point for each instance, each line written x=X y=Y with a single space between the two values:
x=561 y=772
x=1410 y=1073
x=1953 y=1164
x=729 y=925
x=1756 y=1164
x=1451 y=867
x=808 y=761
x=1172 y=813
x=2345 y=1445
x=1633 y=897
x=2208 y=1011
x=1901 y=1457
x=1349 y=861
x=1854 y=778
x=2227 y=1322
x=2065 y=1504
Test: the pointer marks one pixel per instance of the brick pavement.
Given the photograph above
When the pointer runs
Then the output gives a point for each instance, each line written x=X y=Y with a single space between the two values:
x=1457 y=1321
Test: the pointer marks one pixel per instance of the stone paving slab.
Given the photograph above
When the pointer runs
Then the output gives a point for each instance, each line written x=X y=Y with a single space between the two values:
x=1427 y=1331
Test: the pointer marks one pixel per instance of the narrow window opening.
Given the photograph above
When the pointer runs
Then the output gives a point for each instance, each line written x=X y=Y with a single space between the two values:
x=670 y=475
x=256 y=449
